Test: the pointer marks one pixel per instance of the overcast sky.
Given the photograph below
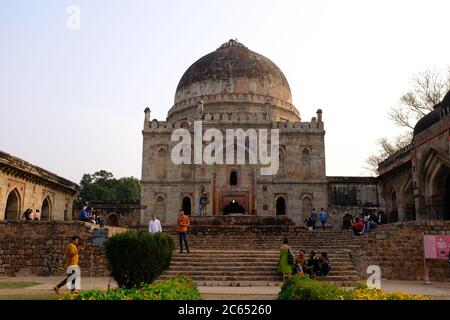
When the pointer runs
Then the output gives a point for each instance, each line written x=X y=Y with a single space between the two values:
x=72 y=101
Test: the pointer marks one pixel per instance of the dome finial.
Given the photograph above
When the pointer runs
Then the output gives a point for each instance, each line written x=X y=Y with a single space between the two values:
x=232 y=43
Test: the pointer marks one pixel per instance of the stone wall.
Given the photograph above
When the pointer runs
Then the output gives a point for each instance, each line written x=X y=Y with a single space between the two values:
x=398 y=249
x=38 y=248
x=351 y=196
x=116 y=214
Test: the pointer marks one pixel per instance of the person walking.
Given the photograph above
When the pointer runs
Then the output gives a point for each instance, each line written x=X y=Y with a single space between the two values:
x=71 y=260
x=284 y=265
x=154 y=225
x=183 y=223
x=323 y=217
x=313 y=218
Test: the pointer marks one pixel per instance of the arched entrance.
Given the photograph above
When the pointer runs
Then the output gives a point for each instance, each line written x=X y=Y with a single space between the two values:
x=307 y=207
x=347 y=221
x=233 y=178
x=447 y=199
x=46 y=210
x=13 y=209
x=186 y=206
x=393 y=214
x=113 y=220
x=409 y=208
x=233 y=207
x=281 y=206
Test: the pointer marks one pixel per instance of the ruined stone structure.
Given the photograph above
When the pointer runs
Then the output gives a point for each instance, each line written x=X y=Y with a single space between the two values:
x=348 y=197
x=234 y=88
x=415 y=182
x=115 y=213
x=23 y=186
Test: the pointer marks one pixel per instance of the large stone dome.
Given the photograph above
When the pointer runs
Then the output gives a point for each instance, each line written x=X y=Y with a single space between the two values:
x=234 y=72
x=233 y=68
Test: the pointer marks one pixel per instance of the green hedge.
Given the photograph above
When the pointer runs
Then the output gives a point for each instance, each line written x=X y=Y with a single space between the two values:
x=304 y=288
x=177 y=288
x=136 y=258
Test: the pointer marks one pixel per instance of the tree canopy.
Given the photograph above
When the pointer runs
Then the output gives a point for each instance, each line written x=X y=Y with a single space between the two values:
x=102 y=186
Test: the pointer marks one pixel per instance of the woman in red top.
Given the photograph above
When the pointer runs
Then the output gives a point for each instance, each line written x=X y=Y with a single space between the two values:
x=358 y=227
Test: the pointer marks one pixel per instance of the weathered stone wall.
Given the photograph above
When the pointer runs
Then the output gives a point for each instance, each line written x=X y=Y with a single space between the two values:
x=38 y=248
x=115 y=214
x=398 y=249
x=351 y=196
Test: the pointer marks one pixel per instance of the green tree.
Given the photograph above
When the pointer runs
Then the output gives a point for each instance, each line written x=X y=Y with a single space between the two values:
x=102 y=186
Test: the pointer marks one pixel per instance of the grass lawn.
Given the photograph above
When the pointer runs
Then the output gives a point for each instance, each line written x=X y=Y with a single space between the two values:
x=28 y=297
x=16 y=285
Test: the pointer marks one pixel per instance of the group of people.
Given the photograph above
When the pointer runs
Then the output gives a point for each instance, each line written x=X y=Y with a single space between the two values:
x=290 y=264
x=365 y=224
x=30 y=215
x=88 y=214
x=314 y=217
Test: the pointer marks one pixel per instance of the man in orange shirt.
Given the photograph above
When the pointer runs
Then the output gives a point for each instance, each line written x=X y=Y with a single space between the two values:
x=182 y=227
x=71 y=260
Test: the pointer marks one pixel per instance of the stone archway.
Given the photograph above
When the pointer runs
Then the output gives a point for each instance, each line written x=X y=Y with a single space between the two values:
x=393 y=213
x=280 y=206
x=112 y=220
x=306 y=207
x=46 y=209
x=233 y=207
x=347 y=221
x=447 y=199
x=13 y=207
x=186 y=205
x=409 y=211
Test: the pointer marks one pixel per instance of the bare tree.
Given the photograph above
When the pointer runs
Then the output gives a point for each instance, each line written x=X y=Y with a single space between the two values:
x=386 y=149
x=428 y=88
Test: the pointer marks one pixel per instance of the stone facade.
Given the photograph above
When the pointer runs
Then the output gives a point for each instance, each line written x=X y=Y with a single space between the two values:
x=249 y=97
x=415 y=182
x=23 y=186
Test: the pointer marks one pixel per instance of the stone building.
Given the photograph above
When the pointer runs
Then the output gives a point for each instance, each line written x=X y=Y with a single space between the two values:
x=23 y=186
x=234 y=88
x=415 y=182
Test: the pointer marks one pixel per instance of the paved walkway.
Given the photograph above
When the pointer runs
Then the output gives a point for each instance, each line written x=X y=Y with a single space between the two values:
x=44 y=290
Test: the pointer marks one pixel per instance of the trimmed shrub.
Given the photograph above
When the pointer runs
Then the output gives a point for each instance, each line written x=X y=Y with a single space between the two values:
x=177 y=288
x=136 y=258
x=304 y=288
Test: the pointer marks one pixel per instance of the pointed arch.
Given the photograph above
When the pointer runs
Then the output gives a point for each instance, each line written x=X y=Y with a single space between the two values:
x=186 y=205
x=13 y=205
x=46 y=209
x=280 y=205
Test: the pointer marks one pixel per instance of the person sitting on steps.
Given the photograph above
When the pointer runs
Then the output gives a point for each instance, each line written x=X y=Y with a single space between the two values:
x=324 y=265
x=312 y=265
x=358 y=227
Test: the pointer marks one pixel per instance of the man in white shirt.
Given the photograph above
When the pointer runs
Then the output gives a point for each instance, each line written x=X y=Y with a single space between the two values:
x=154 y=225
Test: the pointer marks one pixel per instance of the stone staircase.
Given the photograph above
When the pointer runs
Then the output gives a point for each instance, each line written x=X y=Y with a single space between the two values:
x=239 y=253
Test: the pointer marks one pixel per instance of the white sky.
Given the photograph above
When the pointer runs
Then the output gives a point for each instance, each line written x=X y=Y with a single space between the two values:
x=72 y=101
